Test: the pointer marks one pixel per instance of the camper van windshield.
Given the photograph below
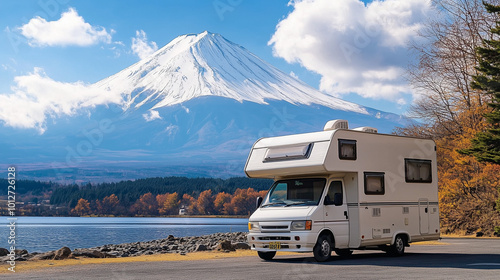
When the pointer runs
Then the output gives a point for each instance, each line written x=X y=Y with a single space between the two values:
x=296 y=192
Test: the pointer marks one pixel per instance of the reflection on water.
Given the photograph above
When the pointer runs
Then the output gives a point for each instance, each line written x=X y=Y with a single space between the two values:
x=41 y=234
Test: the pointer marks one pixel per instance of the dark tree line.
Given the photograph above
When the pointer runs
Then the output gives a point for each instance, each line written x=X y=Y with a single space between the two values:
x=129 y=191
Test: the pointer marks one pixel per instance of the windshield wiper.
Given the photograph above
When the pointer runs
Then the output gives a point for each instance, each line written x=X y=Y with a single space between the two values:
x=274 y=203
x=298 y=203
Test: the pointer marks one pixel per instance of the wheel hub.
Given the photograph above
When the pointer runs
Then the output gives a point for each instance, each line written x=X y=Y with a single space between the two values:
x=325 y=247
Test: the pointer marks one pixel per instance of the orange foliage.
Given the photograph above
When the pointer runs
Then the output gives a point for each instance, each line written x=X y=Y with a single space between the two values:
x=170 y=205
x=146 y=205
x=221 y=199
x=82 y=208
x=205 y=202
x=468 y=189
x=108 y=205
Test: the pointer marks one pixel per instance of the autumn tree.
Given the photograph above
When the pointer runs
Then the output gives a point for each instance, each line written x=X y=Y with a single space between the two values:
x=146 y=205
x=82 y=208
x=109 y=205
x=160 y=199
x=219 y=201
x=242 y=202
x=170 y=205
x=205 y=202
x=486 y=144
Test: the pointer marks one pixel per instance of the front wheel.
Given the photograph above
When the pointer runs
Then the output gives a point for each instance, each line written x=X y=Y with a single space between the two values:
x=267 y=256
x=398 y=248
x=323 y=248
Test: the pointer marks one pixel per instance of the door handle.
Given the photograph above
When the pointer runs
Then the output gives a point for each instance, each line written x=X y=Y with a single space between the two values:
x=345 y=214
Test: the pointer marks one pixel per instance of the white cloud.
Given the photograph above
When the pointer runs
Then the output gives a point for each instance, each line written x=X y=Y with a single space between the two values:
x=36 y=97
x=294 y=75
x=70 y=29
x=140 y=45
x=355 y=47
x=153 y=115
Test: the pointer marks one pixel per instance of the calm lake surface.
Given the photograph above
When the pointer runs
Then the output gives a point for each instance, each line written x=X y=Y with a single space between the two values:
x=42 y=234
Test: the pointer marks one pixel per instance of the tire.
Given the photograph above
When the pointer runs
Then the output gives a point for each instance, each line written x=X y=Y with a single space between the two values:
x=267 y=256
x=398 y=248
x=323 y=248
x=343 y=253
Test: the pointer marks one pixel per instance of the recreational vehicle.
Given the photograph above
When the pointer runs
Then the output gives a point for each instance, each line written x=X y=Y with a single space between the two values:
x=343 y=189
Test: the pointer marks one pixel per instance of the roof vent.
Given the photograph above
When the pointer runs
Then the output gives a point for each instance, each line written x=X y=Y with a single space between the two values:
x=336 y=124
x=366 y=129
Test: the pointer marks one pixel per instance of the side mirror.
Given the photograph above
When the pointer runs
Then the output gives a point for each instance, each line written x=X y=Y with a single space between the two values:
x=337 y=199
x=328 y=201
x=258 y=202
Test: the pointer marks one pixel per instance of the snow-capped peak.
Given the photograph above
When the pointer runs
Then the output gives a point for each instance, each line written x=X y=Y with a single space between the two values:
x=207 y=64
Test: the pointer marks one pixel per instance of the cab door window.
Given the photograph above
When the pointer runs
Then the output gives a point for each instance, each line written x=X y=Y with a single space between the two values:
x=335 y=194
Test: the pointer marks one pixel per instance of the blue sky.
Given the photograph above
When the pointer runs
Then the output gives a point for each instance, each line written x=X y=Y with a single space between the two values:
x=331 y=45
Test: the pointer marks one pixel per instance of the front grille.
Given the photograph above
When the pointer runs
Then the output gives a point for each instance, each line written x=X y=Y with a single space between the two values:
x=274 y=227
x=274 y=238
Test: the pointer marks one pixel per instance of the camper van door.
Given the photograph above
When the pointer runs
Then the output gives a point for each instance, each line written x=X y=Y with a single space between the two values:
x=336 y=217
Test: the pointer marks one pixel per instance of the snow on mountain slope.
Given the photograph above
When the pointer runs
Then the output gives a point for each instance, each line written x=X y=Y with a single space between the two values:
x=207 y=64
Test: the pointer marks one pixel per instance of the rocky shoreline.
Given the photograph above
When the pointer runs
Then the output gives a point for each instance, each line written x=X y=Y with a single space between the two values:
x=225 y=242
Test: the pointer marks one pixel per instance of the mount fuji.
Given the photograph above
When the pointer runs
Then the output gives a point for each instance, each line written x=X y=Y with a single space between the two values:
x=192 y=108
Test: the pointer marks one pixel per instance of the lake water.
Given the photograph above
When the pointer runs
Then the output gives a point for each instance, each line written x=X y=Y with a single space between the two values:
x=41 y=234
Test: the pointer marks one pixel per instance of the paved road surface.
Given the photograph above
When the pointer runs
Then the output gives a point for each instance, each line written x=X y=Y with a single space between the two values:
x=461 y=259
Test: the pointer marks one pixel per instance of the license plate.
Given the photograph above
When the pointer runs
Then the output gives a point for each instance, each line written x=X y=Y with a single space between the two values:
x=274 y=245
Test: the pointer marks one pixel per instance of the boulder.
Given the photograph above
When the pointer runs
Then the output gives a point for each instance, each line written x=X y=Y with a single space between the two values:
x=241 y=245
x=45 y=256
x=200 y=247
x=62 y=253
x=21 y=252
x=92 y=254
x=225 y=246
x=4 y=252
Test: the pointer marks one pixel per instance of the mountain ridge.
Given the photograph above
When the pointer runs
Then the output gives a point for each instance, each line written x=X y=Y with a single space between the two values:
x=207 y=64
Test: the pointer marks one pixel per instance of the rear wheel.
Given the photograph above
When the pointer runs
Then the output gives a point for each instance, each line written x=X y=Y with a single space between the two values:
x=267 y=255
x=398 y=248
x=323 y=248
x=344 y=253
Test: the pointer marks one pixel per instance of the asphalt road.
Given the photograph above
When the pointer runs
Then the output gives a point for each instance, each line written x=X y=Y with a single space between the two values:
x=460 y=259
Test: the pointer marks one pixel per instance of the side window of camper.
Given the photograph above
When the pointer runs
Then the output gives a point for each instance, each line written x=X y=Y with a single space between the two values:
x=335 y=190
x=374 y=183
x=347 y=149
x=418 y=171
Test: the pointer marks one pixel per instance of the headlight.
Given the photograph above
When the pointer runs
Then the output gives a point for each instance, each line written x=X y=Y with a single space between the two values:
x=253 y=226
x=301 y=225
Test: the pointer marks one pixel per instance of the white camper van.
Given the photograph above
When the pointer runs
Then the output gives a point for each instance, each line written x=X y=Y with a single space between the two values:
x=342 y=189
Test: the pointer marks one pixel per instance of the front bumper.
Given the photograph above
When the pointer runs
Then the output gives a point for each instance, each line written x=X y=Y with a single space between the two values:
x=259 y=241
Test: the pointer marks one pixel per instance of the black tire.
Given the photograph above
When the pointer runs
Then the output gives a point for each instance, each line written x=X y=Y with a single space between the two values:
x=267 y=256
x=398 y=248
x=323 y=249
x=343 y=253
